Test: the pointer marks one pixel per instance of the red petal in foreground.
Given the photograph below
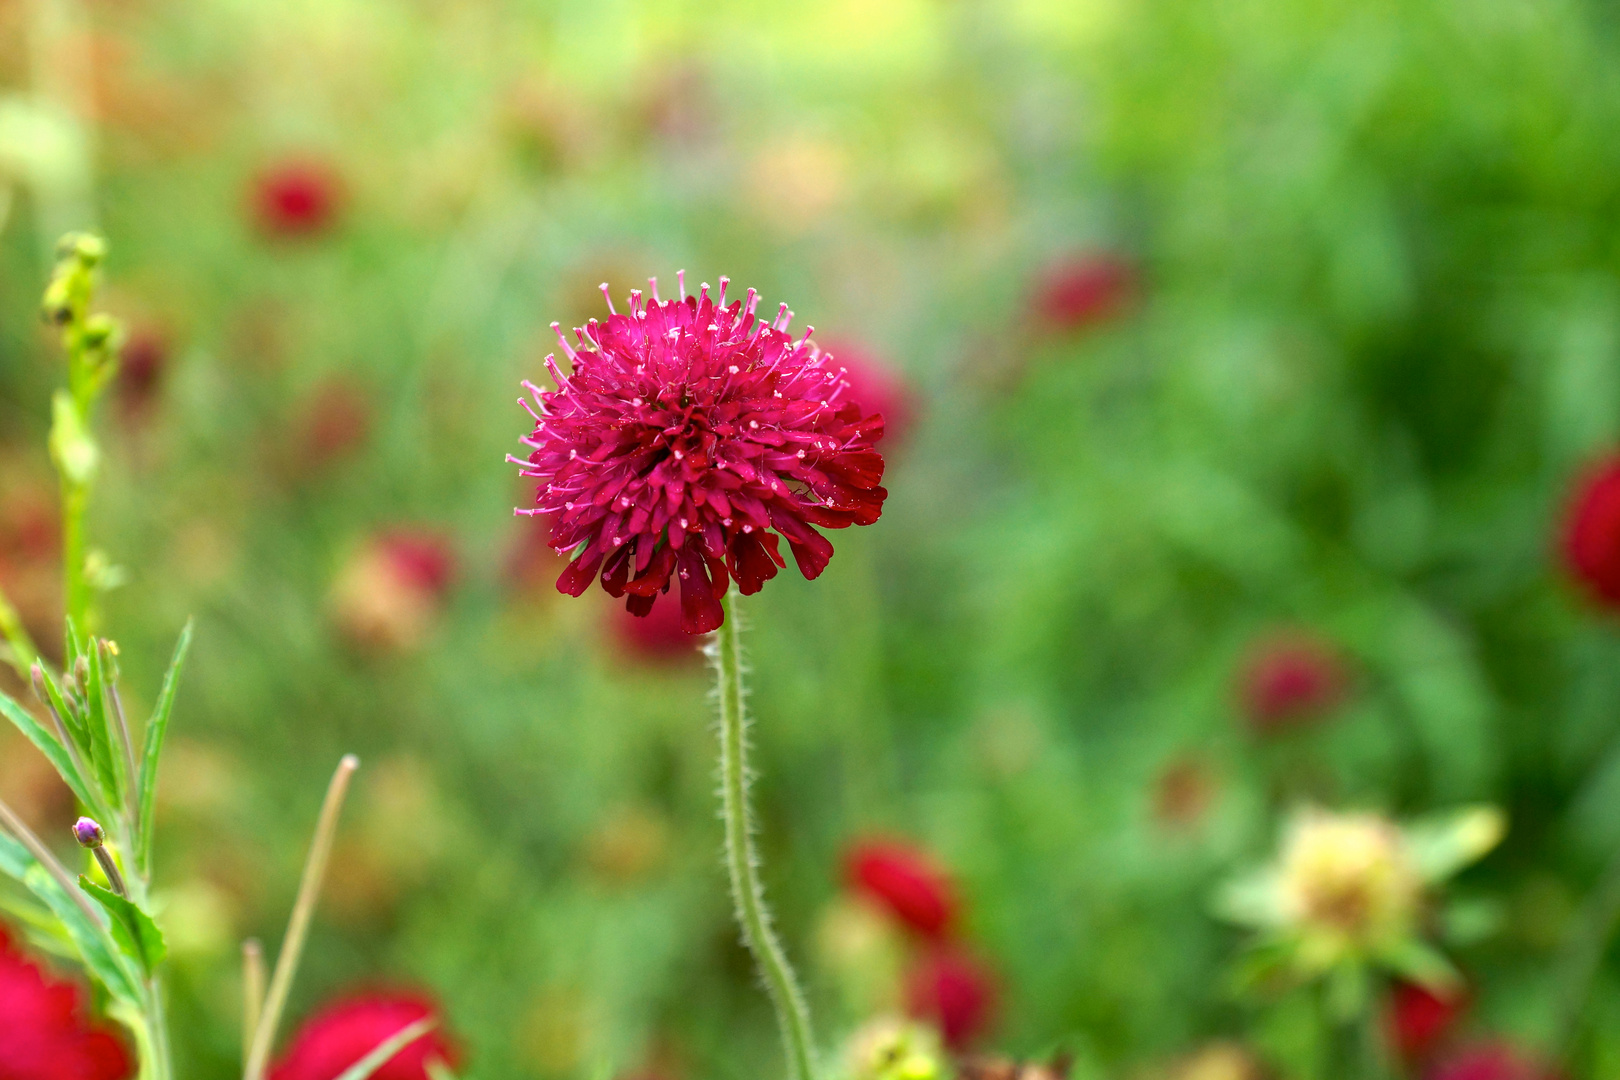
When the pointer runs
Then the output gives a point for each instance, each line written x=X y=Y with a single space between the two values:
x=45 y=1033
x=345 y=1031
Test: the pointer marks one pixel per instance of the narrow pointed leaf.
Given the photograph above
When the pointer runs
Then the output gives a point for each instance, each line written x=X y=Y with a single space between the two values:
x=132 y=928
x=103 y=743
x=385 y=1050
x=48 y=745
x=93 y=943
x=71 y=718
x=156 y=728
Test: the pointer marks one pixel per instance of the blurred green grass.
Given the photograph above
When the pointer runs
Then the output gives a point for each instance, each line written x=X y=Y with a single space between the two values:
x=1372 y=338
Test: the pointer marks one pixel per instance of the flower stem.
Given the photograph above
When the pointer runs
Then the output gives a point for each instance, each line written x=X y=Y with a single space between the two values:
x=23 y=652
x=292 y=945
x=76 y=588
x=1582 y=955
x=742 y=860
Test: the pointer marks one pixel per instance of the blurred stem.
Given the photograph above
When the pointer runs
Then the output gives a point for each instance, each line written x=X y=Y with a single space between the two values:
x=158 y=1022
x=292 y=946
x=252 y=994
x=74 y=498
x=1582 y=954
x=742 y=860
x=23 y=652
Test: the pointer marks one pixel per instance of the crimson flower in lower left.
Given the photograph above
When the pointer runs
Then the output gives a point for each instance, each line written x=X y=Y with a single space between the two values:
x=44 y=1031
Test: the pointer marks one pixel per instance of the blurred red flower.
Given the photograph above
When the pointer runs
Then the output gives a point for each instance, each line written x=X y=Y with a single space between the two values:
x=1494 y=1060
x=44 y=1032
x=1418 y=1019
x=1592 y=532
x=389 y=593
x=296 y=198
x=337 y=422
x=1290 y=679
x=1083 y=290
x=141 y=367
x=907 y=883
x=876 y=386
x=347 y=1030
x=658 y=637
x=954 y=990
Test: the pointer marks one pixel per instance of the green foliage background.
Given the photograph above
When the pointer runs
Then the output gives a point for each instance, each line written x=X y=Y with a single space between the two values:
x=1377 y=336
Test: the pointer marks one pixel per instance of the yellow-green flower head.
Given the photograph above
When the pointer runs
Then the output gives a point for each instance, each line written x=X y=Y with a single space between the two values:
x=1348 y=880
x=1348 y=892
x=891 y=1049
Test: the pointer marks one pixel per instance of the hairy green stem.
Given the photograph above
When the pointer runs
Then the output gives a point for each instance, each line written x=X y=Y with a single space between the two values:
x=742 y=860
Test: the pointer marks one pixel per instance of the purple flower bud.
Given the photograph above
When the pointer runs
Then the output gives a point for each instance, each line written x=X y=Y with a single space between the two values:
x=88 y=833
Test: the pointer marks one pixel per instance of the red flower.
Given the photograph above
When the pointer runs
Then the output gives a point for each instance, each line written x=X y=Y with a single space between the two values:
x=955 y=991
x=296 y=198
x=1418 y=1019
x=44 y=1033
x=1083 y=290
x=420 y=560
x=141 y=366
x=657 y=638
x=347 y=1030
x=873 y=384
x=337 y=422
x=1290 y=679
x=1495 y=1060
x=1592 y=533
x=390 y=592
x=907 y=883
x=687 y=431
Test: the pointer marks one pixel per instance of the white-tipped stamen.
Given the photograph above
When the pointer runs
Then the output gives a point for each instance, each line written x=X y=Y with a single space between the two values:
x=680 y=279
x=568 y=350
x=608 y=296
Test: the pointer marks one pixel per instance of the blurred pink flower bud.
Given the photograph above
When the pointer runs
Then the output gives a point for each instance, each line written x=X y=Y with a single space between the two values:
x=1289 y=679
x=906 y=882
x=1592 y=533
x=876 y=387
x=390 y=592
x=296 y=198
x=1418 y=1019
x=1083 y=290
x=954 y=990
x=658 y=637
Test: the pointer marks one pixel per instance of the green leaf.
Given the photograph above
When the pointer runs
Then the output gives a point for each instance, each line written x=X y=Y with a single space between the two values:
x=104 y=756
x=1417 y=962
x=386 y=1049
x=132 y=928
x=156 y=727
x=50 y=746
x=1445 y=843
x=71 y=718
x=14 y=858
x=93 y=942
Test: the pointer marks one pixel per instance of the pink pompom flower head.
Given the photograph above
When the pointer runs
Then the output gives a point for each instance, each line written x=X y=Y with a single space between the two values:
x=687 y=438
